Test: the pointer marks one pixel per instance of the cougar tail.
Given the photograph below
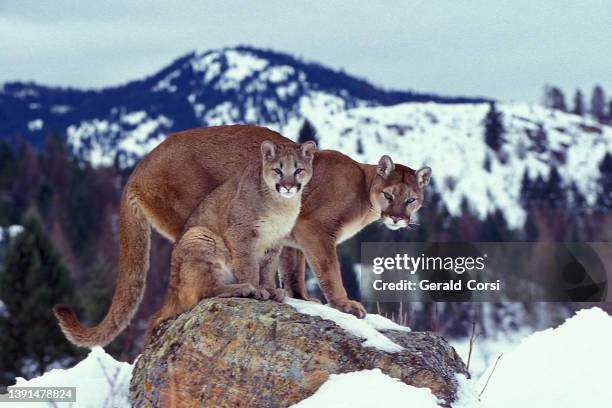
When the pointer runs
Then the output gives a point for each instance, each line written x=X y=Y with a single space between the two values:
x=134 y=244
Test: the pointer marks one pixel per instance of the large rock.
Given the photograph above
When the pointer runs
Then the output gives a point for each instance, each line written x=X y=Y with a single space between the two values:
x=247 y=353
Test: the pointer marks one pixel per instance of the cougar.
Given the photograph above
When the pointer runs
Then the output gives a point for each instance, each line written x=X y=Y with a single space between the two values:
x=231 y=243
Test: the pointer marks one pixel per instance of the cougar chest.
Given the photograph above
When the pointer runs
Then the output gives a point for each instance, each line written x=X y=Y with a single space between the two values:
x=275 y=224
x=349 y=229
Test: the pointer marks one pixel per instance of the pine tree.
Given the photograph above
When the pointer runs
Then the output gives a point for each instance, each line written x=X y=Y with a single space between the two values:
x=308 y=133
x=495 y=228
x=8 y=210
x=494 y=127
x=604 y=201
x=33 y=279
x=526 y=191
x=359 y=147
x=598 y=101
x=554 y=193
x=530 y=229
x=578 y=103
x=554 y=98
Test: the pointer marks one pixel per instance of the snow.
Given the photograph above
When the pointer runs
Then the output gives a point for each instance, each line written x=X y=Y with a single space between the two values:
x=35 y=125
x=60 y=109
x=366 y=389
x=3 y=311
x=10 y=232
x=166 y=83
x=134 y=134
x=134 y=118
x=486 y=349
x=241 y=65
x=367 y=329
x=568 y=366
x=100 y=381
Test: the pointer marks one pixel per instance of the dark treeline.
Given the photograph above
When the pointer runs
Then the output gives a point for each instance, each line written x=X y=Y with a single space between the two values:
x=597 y=105
x=67 y=252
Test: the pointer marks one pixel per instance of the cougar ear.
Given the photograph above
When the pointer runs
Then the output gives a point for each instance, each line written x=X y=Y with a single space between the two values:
x=268 y=150
x=423 y=176
x=308 y=149
x=385 y=166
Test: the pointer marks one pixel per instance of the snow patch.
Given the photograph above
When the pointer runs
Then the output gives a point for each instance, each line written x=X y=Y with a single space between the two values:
x=241 y=65
x=166 y=83
x=35 y=125
x=564 y=367
x=10 y=232
x=367 y=328
x=100 y=380
x=366 y=389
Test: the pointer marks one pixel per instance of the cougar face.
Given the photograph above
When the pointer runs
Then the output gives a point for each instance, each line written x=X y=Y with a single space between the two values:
x=287 y=169
x=398 y=192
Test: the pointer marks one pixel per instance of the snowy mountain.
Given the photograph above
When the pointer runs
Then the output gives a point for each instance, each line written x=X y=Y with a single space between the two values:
x=238 y=85
x=248 y=85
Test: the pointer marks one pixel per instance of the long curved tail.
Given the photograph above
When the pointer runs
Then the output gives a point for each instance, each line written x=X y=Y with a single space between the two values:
x=134 y=245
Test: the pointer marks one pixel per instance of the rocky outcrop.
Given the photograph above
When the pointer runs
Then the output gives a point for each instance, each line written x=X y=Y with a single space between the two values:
x=247 y=353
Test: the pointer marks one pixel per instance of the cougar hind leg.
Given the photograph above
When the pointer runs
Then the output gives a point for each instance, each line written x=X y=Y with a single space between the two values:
x=195 y=271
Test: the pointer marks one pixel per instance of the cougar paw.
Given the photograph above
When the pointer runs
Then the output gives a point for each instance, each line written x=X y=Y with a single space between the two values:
x=351 y=307
x=277 y=294
x=246 y=290
x=308 y=298
x=261 y=294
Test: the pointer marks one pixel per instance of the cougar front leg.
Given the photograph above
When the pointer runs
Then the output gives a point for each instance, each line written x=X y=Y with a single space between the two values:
x=292 y=267
x=245 y=267
x=268 y=270
x=320 y=250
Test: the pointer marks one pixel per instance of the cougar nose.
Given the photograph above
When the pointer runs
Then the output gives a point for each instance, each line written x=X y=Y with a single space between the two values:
x=395 y=218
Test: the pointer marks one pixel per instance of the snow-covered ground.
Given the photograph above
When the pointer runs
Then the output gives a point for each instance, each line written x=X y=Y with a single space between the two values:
x=368 y=388
x=100 y=381
x=486 y=349
x=568 y=366
x=368 y=328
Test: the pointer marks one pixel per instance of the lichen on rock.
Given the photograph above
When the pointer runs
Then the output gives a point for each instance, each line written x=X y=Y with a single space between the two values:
x=248 y=353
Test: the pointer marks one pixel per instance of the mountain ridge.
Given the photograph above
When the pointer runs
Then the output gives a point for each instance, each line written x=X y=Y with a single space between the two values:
x=34 y=110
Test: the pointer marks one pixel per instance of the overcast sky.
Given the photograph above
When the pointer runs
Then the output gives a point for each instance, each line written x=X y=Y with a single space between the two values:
x=503 y=49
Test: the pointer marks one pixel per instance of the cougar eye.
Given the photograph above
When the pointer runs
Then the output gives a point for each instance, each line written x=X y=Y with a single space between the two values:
x=388 y=196
x=410 y=200
x=298 y=171
x=278 y=171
